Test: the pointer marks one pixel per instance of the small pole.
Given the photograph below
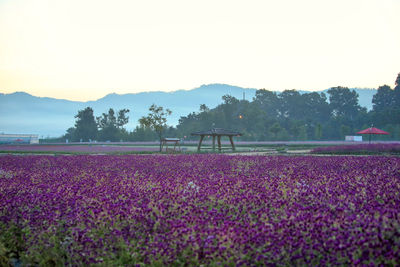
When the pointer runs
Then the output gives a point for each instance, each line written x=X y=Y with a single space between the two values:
x=370 y=133
x=233 y=145
x=213 y=143
x=201 y=140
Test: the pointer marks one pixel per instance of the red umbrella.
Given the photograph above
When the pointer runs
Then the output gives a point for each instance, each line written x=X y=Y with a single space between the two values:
x=372 y=130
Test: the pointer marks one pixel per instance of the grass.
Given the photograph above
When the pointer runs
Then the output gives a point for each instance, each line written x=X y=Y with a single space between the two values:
x=326 y=149
x=30 y=152
x=360 y=149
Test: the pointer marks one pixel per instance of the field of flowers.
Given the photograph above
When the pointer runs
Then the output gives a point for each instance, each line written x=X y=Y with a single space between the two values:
x=199 y=210
x=78 y=148
x=393 y=148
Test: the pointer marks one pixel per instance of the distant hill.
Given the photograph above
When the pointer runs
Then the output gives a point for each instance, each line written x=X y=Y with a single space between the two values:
x=23 y=113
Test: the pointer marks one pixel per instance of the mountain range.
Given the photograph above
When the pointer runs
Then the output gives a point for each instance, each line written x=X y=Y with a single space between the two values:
x=21 y=112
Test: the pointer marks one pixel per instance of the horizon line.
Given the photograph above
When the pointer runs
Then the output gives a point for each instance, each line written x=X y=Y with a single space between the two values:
x=173 y=91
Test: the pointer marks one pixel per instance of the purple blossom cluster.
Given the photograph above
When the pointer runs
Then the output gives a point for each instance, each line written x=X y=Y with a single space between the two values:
x=200 y=210
x=77 y=148
x=360 y=148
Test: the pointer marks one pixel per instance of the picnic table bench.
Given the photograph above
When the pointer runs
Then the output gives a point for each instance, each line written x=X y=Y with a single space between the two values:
x=174 y=141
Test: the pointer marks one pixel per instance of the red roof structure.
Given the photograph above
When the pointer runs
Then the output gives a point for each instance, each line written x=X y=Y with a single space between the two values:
x=372 y=130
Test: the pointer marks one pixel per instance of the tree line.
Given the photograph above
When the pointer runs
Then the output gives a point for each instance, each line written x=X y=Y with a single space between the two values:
x=108 y=126
x=288 y=115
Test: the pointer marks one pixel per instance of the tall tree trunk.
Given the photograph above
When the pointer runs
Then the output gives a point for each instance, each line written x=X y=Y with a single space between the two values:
x=160 y=136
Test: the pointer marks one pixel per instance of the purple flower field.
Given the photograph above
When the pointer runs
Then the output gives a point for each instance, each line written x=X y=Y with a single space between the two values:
x=360 y=148
x=199 y=210
x=77 y=148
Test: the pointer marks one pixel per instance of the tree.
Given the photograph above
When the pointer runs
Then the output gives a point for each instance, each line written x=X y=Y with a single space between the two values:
x=267 y=101
x=345 y=130
x=111 y=127
x=383 y=99
x=107 y=124
x=107 y=119
x=70 y=135
x=275 y=129
x=316 y=107
x=122 y=118
x=303 y=133
x=397 y=82
x=141 y=133
x=229 y=110
x=228 y=99
x=292 y=104
x=86 y=128
x=343 y=102
x=251 y=120
x=397 y=91
x=204 y=108
x=318 y=131
x=156 y=120
x=386 y=105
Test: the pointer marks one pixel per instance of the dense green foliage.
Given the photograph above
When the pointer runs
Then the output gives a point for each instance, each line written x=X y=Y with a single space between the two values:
x=289 y=115
x=85 y=125
x=107 y=127
x=156 y=120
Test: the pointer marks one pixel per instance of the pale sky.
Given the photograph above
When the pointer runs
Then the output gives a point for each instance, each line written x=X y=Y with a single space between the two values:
x=85 y=49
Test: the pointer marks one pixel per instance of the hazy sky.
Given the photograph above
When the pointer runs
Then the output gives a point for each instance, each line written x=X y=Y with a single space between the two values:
x=85 y=49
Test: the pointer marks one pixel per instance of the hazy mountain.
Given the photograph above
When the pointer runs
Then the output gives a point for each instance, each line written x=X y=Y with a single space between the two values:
x=23 y=113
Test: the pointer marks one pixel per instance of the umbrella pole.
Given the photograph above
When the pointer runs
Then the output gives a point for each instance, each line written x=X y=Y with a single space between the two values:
x=370 y=138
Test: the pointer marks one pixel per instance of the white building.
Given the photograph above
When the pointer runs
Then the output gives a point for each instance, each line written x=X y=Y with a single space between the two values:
x=19 y=139
x=355 y=138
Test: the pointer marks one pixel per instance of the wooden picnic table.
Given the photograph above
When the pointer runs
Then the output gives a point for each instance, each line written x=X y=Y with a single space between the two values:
x=217 y=133
x=175 y=141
